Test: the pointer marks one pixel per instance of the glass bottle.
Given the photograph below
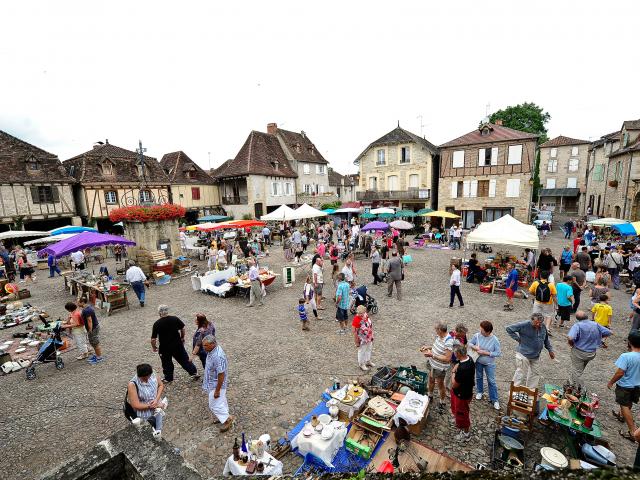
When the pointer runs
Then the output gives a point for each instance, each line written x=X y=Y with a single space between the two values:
x=236 y=450
x=244 y=445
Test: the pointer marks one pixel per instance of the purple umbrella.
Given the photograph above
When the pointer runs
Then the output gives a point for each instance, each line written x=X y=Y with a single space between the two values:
x=81 y=241
x=375 y=226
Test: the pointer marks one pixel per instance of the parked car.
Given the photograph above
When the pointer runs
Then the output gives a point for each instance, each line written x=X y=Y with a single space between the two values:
x=541 y=217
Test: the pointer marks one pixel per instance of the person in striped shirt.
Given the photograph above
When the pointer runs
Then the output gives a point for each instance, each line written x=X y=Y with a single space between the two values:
x=215 y=382
x=439 y=362
x=144 y=394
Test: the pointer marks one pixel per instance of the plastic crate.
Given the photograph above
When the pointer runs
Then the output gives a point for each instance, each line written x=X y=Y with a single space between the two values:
x=384 y=377
x=414 y=379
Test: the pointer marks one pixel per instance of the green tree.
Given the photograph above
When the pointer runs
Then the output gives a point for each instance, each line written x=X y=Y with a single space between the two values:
x=526 y=117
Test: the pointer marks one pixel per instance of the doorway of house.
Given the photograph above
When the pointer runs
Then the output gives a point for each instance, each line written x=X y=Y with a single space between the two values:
x=258 y=210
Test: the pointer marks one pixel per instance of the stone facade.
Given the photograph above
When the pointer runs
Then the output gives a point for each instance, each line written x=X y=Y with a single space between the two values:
x=482 y=177
x=152 y=236
x=23 y=200
x=597 y=174
x=397 y=169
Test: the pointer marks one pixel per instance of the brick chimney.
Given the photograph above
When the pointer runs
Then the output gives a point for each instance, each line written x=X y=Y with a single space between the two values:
x=272 y=128
x=498 y=121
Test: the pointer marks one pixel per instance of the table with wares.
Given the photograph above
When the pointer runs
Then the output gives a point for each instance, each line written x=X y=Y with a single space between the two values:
x=324 y=440
x=272 y=467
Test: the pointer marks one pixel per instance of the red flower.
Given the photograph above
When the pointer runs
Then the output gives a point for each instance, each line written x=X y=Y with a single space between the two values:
x=168 y=211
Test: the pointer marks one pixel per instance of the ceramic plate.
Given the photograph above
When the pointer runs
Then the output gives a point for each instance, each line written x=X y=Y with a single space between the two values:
x=327 y=432
x=20 y=350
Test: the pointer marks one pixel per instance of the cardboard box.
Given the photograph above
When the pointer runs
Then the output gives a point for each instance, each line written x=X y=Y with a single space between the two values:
x=362 y=440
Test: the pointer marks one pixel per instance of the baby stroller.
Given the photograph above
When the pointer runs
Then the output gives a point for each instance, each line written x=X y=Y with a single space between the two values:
x=362 y=297
x=48 y=352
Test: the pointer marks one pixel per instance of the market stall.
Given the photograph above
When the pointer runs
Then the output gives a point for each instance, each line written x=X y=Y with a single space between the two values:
x=307 y=211
x=105 y=293
x=82 y=241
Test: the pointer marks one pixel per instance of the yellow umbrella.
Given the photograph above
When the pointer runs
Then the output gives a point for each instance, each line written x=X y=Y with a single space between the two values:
x=440 y=213
x=191 y=228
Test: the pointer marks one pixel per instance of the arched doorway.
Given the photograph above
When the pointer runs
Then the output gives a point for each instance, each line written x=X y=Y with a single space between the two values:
x=635 y=208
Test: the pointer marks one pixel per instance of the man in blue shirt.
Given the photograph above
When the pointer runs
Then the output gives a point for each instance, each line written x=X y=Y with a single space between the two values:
x=342 y=303
x=511 y=285
x=584 y=338
x=627 y=382
x=564 y=297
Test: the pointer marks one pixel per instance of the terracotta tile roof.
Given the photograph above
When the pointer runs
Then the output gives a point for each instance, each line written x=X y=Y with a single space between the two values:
x=88 y=167
x=497 y=133
x=301 y=147
x=562 y=141
x=398 y=136
x=258 y=156
x=177 y=165
x=14 y=156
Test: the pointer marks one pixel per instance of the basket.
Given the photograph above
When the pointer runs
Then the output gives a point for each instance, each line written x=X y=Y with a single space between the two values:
x=412 y=378
x=384 y=377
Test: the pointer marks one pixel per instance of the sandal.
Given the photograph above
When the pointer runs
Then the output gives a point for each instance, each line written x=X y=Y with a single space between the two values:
x=627 y=435
x=617 y=416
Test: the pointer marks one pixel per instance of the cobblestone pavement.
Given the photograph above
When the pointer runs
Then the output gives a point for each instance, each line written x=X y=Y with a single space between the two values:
x=277 y=372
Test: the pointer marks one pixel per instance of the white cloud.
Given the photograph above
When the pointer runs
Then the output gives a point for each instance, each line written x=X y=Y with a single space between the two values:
x=198 y=76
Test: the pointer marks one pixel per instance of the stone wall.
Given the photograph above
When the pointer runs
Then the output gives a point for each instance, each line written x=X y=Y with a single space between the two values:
x=149 y=235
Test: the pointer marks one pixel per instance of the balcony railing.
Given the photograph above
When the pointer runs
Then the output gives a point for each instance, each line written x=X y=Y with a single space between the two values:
x=411 y=194
x=240 y=200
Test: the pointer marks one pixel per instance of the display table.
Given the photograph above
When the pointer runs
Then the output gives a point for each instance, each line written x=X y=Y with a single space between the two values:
x=231 y=467
x=108 y=300
x=199 y=282
x=325 y=450
x=573 y=417
x=412 y=409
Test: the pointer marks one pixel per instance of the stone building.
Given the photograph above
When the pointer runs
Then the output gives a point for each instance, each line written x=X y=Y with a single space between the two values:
x=487 y=173
x=597 y=171
x=271 y=169
x=563 y=174
x=35 y=190
x=109 y=177
x=398 y=170
x=344 y=186
x=191 y=186
x=622 y=194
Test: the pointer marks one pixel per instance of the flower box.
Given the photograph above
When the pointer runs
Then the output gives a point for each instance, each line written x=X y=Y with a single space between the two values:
x=153 y=213
x=613 y=183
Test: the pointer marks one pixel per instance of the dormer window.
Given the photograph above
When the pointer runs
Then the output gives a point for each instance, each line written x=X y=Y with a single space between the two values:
x=485 y=131
x=298 y=148
x=190 y=174
x=275 y=164
x=106 y=167
x=32 y=163
x=311 y=150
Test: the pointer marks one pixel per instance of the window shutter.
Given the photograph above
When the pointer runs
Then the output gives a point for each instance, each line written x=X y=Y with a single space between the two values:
x=494 y=156
x=492 y=188
x=513 y=187
x=465 y=188
x=474 y=188
x=481 y=157
x=454 y=189
x=55 y=194
x=515 y=155
x=34 y=195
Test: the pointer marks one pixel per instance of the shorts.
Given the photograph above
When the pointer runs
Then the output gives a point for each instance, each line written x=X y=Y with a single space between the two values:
x=318 y=289
x=565 y=267
x=546 y=309
x=341 y=314
x=435 y=372
x=510 y=293
x=626 y=397
x=564 y=312
x=94 y=336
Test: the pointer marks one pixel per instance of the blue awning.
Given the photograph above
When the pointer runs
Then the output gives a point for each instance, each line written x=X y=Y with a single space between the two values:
x=213 y=218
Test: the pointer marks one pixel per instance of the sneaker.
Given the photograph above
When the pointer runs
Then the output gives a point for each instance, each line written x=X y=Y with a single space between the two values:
x=142 y=304
x=92 y=358
x=496 y=405
x=157 y=434
x=478 y=396
x=371 y=364
x=82 y=357
x=228 y=424
x=364 y=368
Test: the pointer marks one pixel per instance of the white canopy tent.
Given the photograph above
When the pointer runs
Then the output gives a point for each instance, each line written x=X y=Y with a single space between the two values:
x=347 y=210
x=22 y=234
x=307 y=211
x=606 y=222
x=282 y=213
x=378 y=211
x=51 y=239
x=505 y=231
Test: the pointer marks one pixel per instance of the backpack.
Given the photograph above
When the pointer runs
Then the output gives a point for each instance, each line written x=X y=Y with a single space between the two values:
x=543 y=292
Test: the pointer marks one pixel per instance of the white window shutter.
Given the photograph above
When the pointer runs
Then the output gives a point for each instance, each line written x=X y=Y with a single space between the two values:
x=515 y=155
x=474 y=188
x=454 y=189
x=492 y=188
x=481 y=157
x=466 y=187
x=494 y=156
x=513 y=187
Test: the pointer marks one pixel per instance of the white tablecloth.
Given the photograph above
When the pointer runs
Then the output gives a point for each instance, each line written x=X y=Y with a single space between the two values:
x=408 y=411
x=233 y=468
x=350 y=410
x=323 y=449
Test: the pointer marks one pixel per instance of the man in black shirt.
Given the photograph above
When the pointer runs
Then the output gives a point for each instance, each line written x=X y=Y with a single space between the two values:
x=170 y=331
x=462 y=376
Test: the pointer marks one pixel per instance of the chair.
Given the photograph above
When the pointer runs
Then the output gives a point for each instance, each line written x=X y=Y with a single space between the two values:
x=523 y=400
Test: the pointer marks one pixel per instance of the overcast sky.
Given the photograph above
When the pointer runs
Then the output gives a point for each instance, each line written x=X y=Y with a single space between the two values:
x=199 y=76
